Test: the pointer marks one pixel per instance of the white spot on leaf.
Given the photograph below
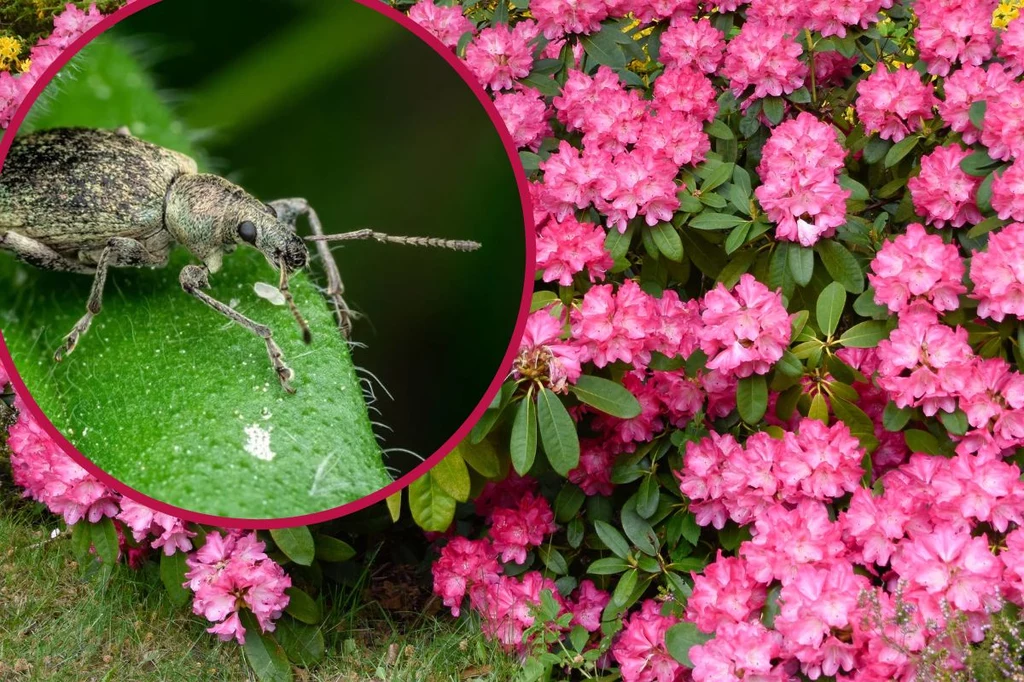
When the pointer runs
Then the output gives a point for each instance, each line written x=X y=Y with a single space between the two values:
x=258 y=444
x=269 y=292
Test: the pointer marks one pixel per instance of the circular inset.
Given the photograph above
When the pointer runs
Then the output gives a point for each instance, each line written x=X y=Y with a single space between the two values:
x=181 y=398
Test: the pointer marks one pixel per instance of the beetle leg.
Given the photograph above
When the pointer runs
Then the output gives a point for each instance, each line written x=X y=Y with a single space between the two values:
x=195 y=278
x=119 y=251
x=288 y=211
x=40 y=255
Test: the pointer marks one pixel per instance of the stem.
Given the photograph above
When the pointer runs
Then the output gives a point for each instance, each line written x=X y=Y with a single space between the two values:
x=810 y=50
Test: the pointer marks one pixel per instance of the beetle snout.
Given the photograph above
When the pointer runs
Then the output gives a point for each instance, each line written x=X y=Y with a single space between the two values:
x=294 y=254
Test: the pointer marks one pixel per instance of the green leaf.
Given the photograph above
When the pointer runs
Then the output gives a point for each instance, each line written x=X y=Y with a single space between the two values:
x=172 y=575
x=774 y=108
x=603 y=47
x=955 y=422
x=818 y=409
x=612 y=539
x=481 y=457
x=523 y=446
x=607 y=396
x=922 y=441
x=297 y=544
x=737 y=238
x=864 y=335
x=978 y=164
x=718 y=129
x=501 y=12
x=302 y=644
x=553 y=560
x=985 y=226
x=829 y=308
x=752 y=398
x=333 y=550
x=617 y=244
x=976 y=113
x=302 y=606
x=453 y=476
x=640 y=532
x=682 y=637
x=265 y=656
x=568 y=502
x=876 y=149
x=715 y=221
x=714 y=175
x=667 y=239
x=841 y=265
x=894 y=418
x=607 y=566
x=81 y=542
x=707 y=257
x=432 y=508
x=900 y=150
x=624 y=589
x=858 y=192
x=104 y=540
x=985 y=193
x=557 y=433
x=800 y=260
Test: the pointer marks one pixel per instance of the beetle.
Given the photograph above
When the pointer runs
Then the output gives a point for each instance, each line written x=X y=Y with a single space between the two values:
x=83 y=200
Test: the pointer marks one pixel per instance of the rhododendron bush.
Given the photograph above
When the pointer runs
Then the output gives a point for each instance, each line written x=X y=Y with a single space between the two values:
x=767 y=414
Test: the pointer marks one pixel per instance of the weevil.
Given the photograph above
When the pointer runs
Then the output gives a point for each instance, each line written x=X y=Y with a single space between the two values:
x=83 y=200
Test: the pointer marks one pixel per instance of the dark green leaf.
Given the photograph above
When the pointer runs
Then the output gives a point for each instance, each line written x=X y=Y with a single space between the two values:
x=265 y=656
x=303 y=644
x=864 y=335
x=333 y=550
x=841 y=265
x=985 y=226
x=829 y=307
x=567 y=504
x=667 y=239
x=858 y=192
x=617 y=244
x=979 y=164
x=895 y=418
x=715 y=221
x=607 y=396
x=922 y=441
x=624 y=589
x=296 y=543
x=607 y=566
x=773 y=108
x=603 y=47
x=523 y=446
x=682 y=637
x=752 y=398
x=900 y=150
x=955 y=422
x=557 y=433
x=104 y=540
x=302 y=606
x=801 y=263
x=718 y=129
x=612 y=539
x=639 y=531
x=172 y=575
x=876 y=148
x=976 y=113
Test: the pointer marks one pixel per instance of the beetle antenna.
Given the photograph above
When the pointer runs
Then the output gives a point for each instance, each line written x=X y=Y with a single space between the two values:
x=452 y=244
x=307 y=336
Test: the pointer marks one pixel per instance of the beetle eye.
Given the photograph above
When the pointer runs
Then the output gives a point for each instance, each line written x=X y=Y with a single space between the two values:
x=247 y=232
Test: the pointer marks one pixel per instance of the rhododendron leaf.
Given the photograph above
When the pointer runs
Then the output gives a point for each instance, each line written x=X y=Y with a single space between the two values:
x=553 y=560
x=858 y=192
x=452 y=475
x=578 y=637
x=523 y=446
x=841 y=265
x=859 y=423
x=543 y=84
x=624 y=588
x=713 y=200
x=667 y=239
x=752 y=398
x=829 y=308
x=818 y=409
x=332 y=549
x=718 y=129
x=172 y=575
x=714 y=173
x=296 y=543
x=482 y=457
x=771 y=607
x=678 y=585
x=876 y=149
x=682 y=637
x=787 y=402
x=568 y=502
x=715 y=221
x=302 y=606
x=494 y=411
x=736 y=239
x=604 y=47
x=557 y=433
x=894 y=418
x=662 y=363
x=574 y=532
x=607 y=396
x=732 y=536
x=976 y=113
x=708 y=258
x=865 y=306
x=81 y=542
x=985 y=226
x=789 y=365
x=801 y=264
x=432 y=508
x=799 y=96
x=104 y=540
x=779 y=274
x=985 y=193
x=617 y=244
x=265 y=656
x=865 y=334
x=530 y=161
x=688 y=204
x=639 y=531
x=922 y=441
x=612 y=539
x=303 y=644
x=899 y=150
x=774 y=108
x=539 y=300
x=739 y=200
x=500 y=15
x=978 y=164
x=647 y=497
x=955 y=422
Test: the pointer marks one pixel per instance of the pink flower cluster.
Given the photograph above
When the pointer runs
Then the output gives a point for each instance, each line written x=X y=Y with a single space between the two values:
x=544 y=356
x=894 y=103
x=998 y=274
x=500 y=55
x=567 y=247
x=525 y=115
x=161 y=530
x=1008 y=192
x=230 y=573
x=765 y=57
x=955 y=31
x=943 y=193
x=67 y=27
x=798 y=169
x=726 y=480
x=963 y=88
x=1003 y=127
x=446 y=23
x=917 y=267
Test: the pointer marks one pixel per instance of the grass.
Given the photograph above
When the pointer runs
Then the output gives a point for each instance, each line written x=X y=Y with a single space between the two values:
x=58 y=622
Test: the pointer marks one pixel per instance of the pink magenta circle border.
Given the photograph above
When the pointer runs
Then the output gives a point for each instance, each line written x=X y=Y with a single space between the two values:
x=467 y=425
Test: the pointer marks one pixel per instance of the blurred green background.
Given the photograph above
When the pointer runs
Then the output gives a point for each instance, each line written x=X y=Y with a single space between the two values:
x=331 y=101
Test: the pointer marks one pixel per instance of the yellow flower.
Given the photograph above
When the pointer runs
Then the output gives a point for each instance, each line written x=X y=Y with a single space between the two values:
x=10 y=48
x=1007 y=11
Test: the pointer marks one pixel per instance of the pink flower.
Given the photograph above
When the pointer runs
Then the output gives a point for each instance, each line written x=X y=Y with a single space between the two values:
x=232 y=572
x=167 y=531
x=1003 y=128
x=1013 y=565
x=998 y=274
x=49 y=476
x=594 y=473
x=587 y=607
x=543 y=356
x=745 y=330
x=951 y=31
x=463 y=564
x=786 y=539
x=498 y=55
x=686 y=90
x=608 y=114
x=874 y=525
x=799 y=166
x=963 y=88
x=1011 y=47
x=689 y=42
x=640 y=647
x=446 y=23
x=943 y=193
x=820 y=462
x=515 y=530
x=894 y=103
x=573 y=180
x=525 y=116
x=641 y=183
x=555 y=18
x=505 y=494
x=724 y=594
x=1008 y=192
x=763 y=56
x=609 y=327
x=917 y=267
x=831 y=18
x=508 y=606
x=739 y=652
x=674 y=136
x=568 y=247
